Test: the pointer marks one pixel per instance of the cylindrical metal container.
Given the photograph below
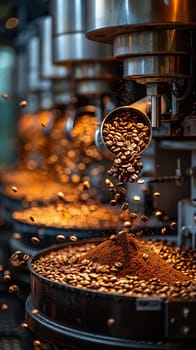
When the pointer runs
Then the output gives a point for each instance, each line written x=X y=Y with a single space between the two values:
x=20 y=74
x=155 y=41
x=99 y=137
x=114 y=17
x=49 y=227
x=34 y=83
x=64 y=314
x=63 y=91
x=68 y=32
x=95 y=78
x=94 y=69
x=47 y=69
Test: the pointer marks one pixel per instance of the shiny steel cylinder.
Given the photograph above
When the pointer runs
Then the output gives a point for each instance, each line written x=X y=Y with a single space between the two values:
x=45 y=100
x=93 y=88
x=34 y=83
x=96 y=70
x=156 y=68
x=159 y=55
x=63 y=91
x=156 y=111
x=108 y=18
x=69 y=41
x=20 y=73
x=47 y=69
x=155 y=41
x=95 y=78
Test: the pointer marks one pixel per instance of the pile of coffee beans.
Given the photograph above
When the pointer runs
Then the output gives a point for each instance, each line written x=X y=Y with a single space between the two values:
x=62 y=266
x=83 y=134
x=72 y=216
x=35 y=192
x=126 y=136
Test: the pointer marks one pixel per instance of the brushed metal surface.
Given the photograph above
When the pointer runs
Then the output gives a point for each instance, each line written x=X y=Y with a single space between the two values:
x=47 y=69
x=107 y=18
x=69 y=41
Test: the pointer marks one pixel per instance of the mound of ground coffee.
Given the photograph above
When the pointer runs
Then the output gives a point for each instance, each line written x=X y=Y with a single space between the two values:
x=127 y=255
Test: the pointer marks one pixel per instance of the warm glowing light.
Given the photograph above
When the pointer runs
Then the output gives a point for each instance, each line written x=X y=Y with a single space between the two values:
x=12 y=22
x=16 y=235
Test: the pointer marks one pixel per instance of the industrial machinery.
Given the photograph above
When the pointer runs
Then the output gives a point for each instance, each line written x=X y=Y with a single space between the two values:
x=74 y=302
x=95 y=73
x=156 y=44
x=50 y=89
x=94 y=69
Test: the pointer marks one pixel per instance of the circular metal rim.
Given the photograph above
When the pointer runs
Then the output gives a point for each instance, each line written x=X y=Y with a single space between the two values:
x=150 y=68
x=94 y=88
x=69 y=336
x=52 y=231
x=157 y=42
x=77 y=297
x=43 y=286
x=80 y=50
x=70 y=287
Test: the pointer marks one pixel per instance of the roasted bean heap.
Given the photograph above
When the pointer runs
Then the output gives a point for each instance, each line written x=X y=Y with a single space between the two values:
x=61 y=266
x=126 y=137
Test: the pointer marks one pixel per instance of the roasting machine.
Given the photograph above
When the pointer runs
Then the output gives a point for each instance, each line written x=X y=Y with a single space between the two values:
x=155 y=44
x=85 y=62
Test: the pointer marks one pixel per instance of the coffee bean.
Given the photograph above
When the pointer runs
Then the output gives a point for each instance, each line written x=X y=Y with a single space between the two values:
x=5 y=96
x=144 y=218
x=60 y=238
x=23 y=103
x=113 y=202
x=35 y=240
x=124 y=206
x=4 y=307
x=145 y=256
x=173 y=226
x=73 y=238
x=110 y=321
x=14 y=189
x=125 y=140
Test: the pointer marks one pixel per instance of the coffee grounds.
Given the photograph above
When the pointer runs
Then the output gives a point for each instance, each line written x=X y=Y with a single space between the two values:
x=135 y=258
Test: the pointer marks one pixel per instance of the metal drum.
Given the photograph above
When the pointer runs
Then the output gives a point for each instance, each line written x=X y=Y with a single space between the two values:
x=82 y=318
x=154 y=45
x=68 y=32
x=155 y=42
x=36 y=231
